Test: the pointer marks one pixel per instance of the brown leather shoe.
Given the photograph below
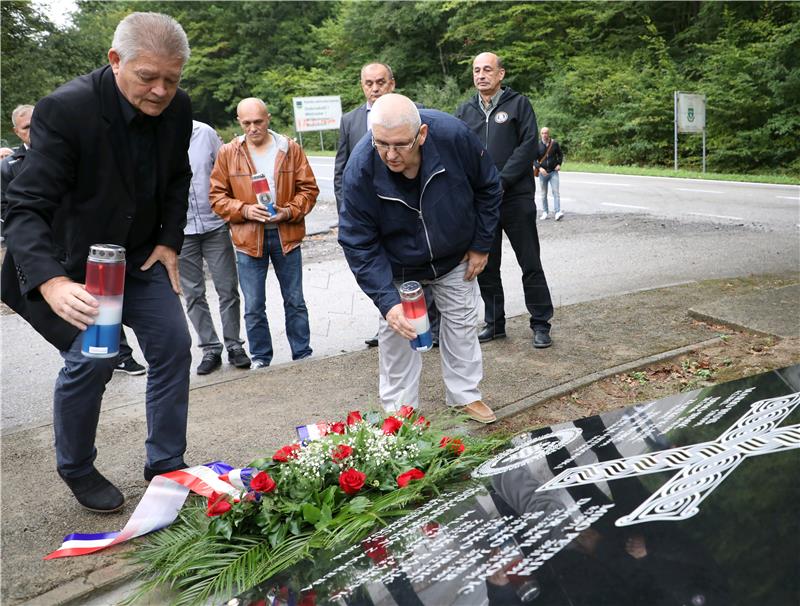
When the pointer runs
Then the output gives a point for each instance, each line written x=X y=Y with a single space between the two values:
x=478 y=411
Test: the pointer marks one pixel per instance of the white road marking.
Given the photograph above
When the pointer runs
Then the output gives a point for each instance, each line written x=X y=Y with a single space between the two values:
x=718 y=216
x=625 y=205
x=789 y=197
x=608 y=183
x=701 y=191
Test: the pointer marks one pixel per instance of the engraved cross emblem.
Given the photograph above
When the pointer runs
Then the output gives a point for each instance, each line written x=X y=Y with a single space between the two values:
x=701 y=467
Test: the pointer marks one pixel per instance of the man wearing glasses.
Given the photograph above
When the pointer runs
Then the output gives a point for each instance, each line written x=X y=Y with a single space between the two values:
x=421 y=202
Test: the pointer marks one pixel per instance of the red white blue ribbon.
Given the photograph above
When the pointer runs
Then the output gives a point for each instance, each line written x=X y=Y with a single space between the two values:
x=160 y=505
x=312 y=432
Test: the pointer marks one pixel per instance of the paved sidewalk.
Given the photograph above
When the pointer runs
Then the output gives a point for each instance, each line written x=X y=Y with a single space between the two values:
x=239 y=416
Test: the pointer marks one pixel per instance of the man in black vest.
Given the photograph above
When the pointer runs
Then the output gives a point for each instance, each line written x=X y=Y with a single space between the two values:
x=108 y=163
x=505 y=123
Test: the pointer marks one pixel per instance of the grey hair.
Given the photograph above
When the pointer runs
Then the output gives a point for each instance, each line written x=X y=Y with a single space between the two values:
x=384 y=65
x=154 y=33
x=401 y=111
x=19 y=110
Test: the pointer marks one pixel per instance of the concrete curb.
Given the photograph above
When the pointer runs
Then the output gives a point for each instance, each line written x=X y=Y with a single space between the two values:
x=565 y=388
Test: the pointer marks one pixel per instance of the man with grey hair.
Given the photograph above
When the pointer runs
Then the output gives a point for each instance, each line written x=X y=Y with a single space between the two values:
x=10 y=167
x=108 y=164
x=420 y=203
x=505 y=123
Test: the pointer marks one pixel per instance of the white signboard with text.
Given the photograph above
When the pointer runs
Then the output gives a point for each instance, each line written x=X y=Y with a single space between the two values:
x=317 y=113
x=691 y=113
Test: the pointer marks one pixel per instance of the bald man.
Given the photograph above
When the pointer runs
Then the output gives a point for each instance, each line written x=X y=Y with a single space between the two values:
x=420 y=203
x=261 y=236
x=505 y=123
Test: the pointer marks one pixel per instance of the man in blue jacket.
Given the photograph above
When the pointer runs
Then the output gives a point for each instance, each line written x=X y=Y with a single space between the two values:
x=421 y=202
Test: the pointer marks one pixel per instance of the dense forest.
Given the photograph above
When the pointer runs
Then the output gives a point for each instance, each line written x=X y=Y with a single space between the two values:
x=601 y=75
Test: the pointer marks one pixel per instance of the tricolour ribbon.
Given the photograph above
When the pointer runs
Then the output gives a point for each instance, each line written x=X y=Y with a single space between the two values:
x=160 y=505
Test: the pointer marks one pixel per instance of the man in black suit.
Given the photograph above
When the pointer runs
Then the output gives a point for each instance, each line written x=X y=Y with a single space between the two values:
x=377 y=80
x=108 y=163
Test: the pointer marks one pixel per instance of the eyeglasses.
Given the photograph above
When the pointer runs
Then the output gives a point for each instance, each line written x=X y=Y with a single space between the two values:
x=396 y=148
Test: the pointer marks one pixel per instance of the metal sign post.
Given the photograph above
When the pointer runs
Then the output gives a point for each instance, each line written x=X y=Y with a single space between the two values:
x=690 y=117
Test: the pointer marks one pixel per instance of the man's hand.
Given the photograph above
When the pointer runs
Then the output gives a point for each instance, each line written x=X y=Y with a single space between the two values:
x=476 y=261
x=70 y=301
x=169 y=259
x=281 y=214
x=558 y=167
x=255 y=212
x=542 y=171
x=398 y=323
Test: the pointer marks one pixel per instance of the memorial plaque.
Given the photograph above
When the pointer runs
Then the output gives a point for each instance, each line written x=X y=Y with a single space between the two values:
x=688 y=500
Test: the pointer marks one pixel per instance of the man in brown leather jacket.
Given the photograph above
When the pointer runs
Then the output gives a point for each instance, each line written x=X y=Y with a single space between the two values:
x=268 y=227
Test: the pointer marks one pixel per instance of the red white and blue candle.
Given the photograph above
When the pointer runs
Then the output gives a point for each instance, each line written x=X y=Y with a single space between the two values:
x=416 y=312
x=105 y=281
x=261 y=190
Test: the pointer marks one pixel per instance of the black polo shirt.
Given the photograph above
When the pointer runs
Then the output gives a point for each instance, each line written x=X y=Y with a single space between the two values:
x=143 y=148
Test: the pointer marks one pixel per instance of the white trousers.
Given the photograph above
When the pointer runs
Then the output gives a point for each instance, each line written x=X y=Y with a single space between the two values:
x=462 y=361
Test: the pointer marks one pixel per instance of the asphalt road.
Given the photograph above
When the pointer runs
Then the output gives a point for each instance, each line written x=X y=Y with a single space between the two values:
x=620 y=234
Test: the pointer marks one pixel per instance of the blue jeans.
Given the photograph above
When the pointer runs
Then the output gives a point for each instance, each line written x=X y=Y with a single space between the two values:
x=552 y=179
x=154 y=312
x=252 y=279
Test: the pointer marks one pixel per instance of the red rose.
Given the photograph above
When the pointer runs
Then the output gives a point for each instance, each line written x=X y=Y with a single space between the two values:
x=406 y=411
x=353 y=417
x=391 y=425
x=262 y=482
x=431 y=529
x=217 y=504
x=412 y=474
x=308 y=599
x=422 y=421
x=375 y=549
x=351 y=480
x=454 y=445
x=285 y=453
x=337 y=427
x=341 y=452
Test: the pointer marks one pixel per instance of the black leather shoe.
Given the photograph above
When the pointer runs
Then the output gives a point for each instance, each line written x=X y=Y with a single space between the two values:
x=238 y=358
x=211 y=361
x=541 y=338
x=149 y=474
x=373 y=342
x=489 y=333
x=95 y=493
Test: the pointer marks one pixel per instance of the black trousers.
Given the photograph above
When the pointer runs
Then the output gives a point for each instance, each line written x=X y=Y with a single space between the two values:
x=518 y=220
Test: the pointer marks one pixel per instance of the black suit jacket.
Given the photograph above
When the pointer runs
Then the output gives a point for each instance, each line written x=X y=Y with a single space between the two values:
x=77 y=188
x=352 y=129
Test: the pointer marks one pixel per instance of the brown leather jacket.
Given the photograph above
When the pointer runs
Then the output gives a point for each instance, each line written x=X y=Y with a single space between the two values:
x=231 y=190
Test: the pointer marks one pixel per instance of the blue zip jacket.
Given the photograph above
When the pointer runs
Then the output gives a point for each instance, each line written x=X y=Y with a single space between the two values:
x=386 y=239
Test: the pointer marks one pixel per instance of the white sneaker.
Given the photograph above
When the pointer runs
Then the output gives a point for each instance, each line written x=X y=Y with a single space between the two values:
x=543 y=216
x=256 y=364
x=559 y=214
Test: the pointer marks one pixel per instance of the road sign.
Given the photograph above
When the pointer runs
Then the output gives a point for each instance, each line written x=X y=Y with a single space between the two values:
x=691 y=113
x=317 y=113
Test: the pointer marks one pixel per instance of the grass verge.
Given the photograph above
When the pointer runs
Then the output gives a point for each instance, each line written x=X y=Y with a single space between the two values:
x=585 y=167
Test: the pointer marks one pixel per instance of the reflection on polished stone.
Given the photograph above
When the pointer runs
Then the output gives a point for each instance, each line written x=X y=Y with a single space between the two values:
x=688 y=500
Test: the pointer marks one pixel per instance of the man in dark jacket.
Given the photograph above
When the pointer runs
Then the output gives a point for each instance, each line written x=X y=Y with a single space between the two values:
x=548 y=161
x=505 y=123
x=420 y=203
x=12 y=165
x=108 y=163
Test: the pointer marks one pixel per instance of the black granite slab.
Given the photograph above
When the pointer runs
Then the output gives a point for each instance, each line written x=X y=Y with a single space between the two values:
x=688 y=500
